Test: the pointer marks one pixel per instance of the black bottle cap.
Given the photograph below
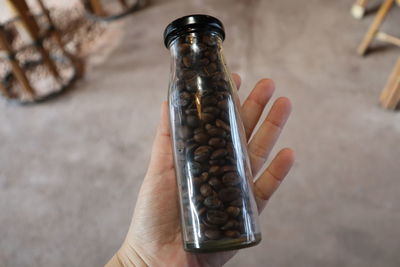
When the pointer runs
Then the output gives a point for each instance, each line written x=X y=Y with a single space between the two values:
x=192 y=23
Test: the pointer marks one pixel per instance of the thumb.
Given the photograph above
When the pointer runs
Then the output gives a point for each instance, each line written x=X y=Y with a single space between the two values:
x=161 y=156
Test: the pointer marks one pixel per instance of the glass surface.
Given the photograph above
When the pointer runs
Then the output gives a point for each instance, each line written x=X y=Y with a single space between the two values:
x=217 y=204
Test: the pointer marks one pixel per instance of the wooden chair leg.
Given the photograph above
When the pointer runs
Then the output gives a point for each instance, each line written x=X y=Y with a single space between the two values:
x=17 y=70
x=358 y=8
x=390 y=96
x=33 y=28
x=374 y=28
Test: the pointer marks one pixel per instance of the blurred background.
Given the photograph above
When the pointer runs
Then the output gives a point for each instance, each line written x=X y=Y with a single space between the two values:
x=71 y=167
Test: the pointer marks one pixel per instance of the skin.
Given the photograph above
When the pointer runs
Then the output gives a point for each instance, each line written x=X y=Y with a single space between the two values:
x=154 y=237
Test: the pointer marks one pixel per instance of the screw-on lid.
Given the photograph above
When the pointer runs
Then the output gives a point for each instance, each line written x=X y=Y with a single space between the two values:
x=192 y=23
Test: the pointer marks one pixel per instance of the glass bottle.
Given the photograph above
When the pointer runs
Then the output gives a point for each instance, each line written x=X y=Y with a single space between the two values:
x=218 y=210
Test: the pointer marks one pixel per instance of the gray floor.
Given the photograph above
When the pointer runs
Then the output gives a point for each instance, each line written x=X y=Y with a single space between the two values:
x=70 y=169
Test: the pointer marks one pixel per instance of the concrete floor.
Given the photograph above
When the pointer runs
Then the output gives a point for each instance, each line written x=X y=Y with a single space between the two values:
x=70 y=169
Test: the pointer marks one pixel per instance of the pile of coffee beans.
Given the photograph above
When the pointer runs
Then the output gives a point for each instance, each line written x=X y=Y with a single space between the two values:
x=207 y=154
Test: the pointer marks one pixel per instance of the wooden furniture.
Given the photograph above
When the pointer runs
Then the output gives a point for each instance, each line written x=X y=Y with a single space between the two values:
x=96 y=9
x=16 y=85
x=390 y=96
x=374 y=32
x=358 y=8
x=16 y=68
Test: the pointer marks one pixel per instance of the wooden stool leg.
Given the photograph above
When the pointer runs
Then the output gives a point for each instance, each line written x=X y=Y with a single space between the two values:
x=390 y=96
x=17 y=70
x=33 y=28
x=51 y=22
x=373 y=29
x=97 y=8
x=358 y=8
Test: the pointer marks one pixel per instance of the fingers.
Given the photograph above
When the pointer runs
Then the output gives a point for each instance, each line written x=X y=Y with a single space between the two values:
x=272 y=177
x=266 y=136
x=254 y=104
x=236 y=78
x=161 y=155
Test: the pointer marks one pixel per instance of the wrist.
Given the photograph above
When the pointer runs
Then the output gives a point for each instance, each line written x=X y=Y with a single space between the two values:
x=126 y=256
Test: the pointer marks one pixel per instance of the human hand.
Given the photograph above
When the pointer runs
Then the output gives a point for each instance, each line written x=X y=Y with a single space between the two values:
x=154 y=237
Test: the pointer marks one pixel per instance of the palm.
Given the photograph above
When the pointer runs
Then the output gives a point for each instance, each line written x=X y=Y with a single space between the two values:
x=156 y=224
x=155 y=233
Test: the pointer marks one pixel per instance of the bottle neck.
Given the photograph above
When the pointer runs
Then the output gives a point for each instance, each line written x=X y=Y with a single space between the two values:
x=196 y=43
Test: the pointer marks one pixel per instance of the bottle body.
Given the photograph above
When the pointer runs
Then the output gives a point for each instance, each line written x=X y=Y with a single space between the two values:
x=218 y=209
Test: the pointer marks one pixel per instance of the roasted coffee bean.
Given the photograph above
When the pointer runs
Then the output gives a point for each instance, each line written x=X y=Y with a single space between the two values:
x=187 y=61
x=222 y=95
x=198 y=198
x=212 y=202
x=208 y=225
x=184 y=48
x=217 y=76
x=231 y=160
x=207 y=117
x=201 y=138
x=204 y=61
x=211 y=55
x=230 y=148
x=223 y=104
x=231 y=178
x=232 y=234
x=185 y=98
x=231 y=224
x=223 y=125
x=192 y=121
x=215 y=131
x=215 y=183
x=198 y=130
x=228 y=168
x=236 y=203
x=184 y=132
x=225 y=116
x=195 y=168
x=201 y=46
x=217 y=142
x=217 y=217
x=204 y=177
x=233 y=211
x=202 y=153
x=212 y=110
x=215 y=170
x=229 y=194
x=211 y=69
x=191 y=111
x=217 y=162
x=190 y=148
x=201 y=211
x=206 y=190
x=209 y=101
x=191 y=85
x=208 y=40
x=219 y=153
x=197 y=181
x=189 y=75
x=222 y=85
x=212 y=234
